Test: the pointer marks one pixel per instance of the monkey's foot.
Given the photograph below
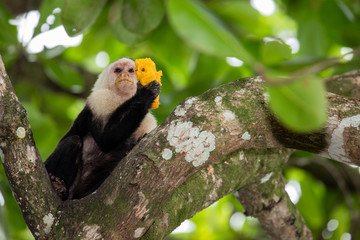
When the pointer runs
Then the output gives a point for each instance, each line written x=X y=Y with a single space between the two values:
x=59 y=186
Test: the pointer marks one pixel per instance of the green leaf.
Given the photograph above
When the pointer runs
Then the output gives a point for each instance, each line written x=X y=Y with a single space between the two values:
x=142 y=16
x=312 y=38
x=202 y=30
x=118 y=28
x=78 y=15
x=301 y=105
x=64 y=75
x=342 y=26
x=177 y=68
x=274 y=52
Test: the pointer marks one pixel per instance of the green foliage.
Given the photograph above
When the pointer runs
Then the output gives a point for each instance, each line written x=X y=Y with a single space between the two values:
x=303 y=102
x=141 y=16
x=117 y=24
x=78 y=15
x=214 y=223
x=189 y=40
x=64 y=75
x=200 y=29
x=274 y=52
x=319 y=204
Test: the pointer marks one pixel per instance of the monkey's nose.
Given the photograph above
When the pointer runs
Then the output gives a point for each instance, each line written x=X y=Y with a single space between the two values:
x=124 y=76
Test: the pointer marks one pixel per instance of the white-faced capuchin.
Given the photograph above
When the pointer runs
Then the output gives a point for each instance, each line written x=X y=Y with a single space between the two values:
x=115 y=117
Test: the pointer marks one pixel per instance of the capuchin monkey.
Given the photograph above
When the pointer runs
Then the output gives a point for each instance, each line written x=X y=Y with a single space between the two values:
x=116 y=116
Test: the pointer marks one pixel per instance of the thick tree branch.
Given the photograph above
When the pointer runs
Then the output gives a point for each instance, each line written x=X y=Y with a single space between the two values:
x=209 y=146
x=347 y=84
x=22 y=162
x=274 y=210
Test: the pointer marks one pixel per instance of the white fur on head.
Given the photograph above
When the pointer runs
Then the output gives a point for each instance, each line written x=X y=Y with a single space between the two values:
x=107 y=77
x=110 y=91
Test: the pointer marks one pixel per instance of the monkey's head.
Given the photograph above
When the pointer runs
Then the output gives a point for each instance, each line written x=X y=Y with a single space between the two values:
x=119 y=77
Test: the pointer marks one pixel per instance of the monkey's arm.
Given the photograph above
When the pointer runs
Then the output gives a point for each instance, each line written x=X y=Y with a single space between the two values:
x=126 y=118
x=63 y=163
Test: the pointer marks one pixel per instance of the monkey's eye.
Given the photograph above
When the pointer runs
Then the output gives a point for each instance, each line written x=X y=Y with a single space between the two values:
x=131 y=70
x=117 y=70
x=143 y=69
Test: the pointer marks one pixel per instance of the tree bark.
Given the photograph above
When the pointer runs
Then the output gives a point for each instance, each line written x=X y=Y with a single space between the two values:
x=211 y=145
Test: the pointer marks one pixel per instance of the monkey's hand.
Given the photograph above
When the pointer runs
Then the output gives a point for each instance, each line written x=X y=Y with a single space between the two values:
x=152 y=89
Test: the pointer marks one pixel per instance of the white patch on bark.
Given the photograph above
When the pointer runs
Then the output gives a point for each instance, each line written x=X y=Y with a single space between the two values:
x=189 y=102
x=241 y=156
x=48 y=221
x=165 y=220
x=240 y=92
x=337 y=146
x=2 y=86
x=167 y=154
x=213 y=195
x=110 y=198
x=20 y=132
x=266 y=177
x=31 y=154
x=2 y=155
x=218 y=100
x=258 y=79
x=246 y=136
x=266 y=97
x=138 y=232
x=181 y=110
x=190 y=140
x=92 y=232
x=229 y=115
x=140 y=208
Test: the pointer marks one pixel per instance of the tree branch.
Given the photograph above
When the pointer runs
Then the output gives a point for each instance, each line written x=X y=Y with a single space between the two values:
x=274 y=210
x=211 y=145
x=22 y=162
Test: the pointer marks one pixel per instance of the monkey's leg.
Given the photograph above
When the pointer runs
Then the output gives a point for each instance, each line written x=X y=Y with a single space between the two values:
x=62 y=165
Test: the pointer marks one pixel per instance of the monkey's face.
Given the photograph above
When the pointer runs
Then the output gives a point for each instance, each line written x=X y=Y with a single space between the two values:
x=122 y=77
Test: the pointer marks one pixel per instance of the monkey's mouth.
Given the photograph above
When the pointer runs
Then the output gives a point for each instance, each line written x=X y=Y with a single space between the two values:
x=126 y=81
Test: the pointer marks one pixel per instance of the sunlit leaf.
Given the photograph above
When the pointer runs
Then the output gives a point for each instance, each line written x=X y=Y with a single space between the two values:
x=274 y=52
x=142 y=16
x=301 y=105
x=241 y=15
x=78 y=15
x=202 y=30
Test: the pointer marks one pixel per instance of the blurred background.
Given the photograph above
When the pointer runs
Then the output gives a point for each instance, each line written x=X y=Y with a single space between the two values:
x=54 y=52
